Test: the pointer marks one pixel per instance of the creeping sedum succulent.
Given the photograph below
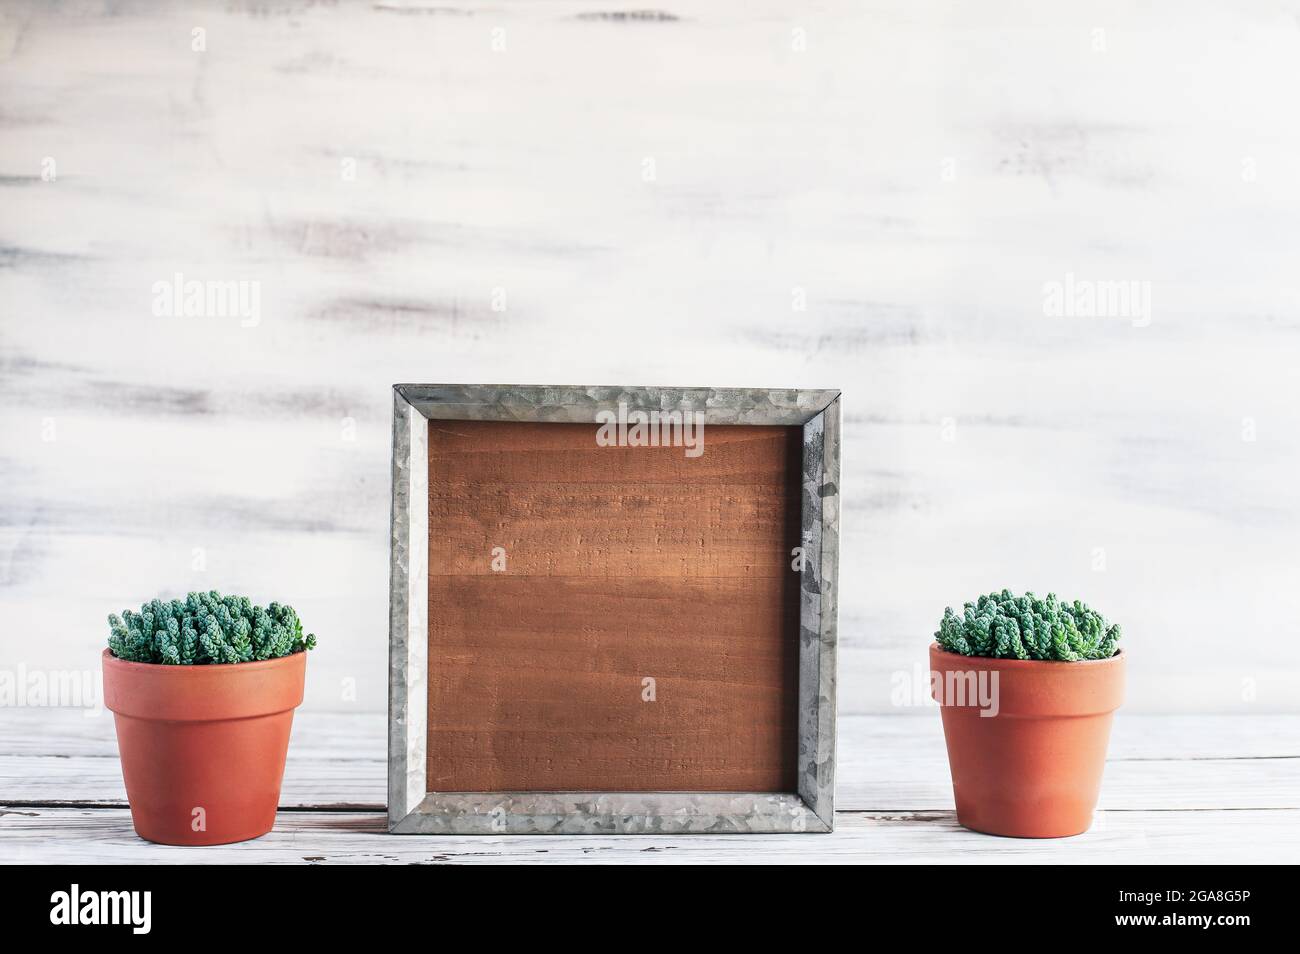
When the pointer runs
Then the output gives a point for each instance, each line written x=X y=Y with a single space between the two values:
x=206 y=628
x=1026 y=627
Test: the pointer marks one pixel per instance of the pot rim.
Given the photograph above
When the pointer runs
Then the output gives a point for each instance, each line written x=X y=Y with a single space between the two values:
x=969 y=661
x=204 y=693
x=253 y=666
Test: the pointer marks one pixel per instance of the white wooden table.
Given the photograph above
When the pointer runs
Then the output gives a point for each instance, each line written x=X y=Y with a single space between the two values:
x=1177 y=789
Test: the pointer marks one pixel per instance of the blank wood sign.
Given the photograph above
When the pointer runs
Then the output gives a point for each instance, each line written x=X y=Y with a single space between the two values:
x=613 y=609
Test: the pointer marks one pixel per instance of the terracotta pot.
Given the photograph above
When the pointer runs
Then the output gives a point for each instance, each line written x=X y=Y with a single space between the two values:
x=1033 y=769
x=203 y=747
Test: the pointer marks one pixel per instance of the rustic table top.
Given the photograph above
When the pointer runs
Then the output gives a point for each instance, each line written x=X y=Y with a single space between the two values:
x=1177 y=789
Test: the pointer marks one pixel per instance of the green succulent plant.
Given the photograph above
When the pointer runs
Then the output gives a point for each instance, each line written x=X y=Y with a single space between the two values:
x=1026 y=627
x=206 y=628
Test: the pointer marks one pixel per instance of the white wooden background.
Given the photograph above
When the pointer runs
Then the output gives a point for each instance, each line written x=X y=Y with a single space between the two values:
x=1178 y=789
x=652 y=199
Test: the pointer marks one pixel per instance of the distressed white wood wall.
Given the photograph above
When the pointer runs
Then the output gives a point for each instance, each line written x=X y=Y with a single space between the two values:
x=865 y=196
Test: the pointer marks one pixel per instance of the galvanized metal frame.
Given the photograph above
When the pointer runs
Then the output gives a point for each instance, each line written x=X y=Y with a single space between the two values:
x=412 y=809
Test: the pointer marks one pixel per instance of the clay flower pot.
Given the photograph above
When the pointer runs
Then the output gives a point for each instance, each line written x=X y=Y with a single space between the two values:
x=203 y=747
x=1031 y=767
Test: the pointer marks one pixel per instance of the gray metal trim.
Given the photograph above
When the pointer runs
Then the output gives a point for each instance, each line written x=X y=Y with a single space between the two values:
x=408 y=614
x=579 y=405
x=818 y=612
x=621 y=813
x=413 y=810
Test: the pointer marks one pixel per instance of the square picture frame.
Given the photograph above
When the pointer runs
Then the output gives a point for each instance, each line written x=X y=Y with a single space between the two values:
x=413 y=809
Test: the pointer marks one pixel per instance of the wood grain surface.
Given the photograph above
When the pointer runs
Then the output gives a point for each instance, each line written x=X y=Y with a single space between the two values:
x=564 y=574
x=756 y=193
x=1185 y=789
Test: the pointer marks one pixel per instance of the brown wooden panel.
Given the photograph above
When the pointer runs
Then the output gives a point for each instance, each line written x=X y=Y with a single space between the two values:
x=622 y=563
